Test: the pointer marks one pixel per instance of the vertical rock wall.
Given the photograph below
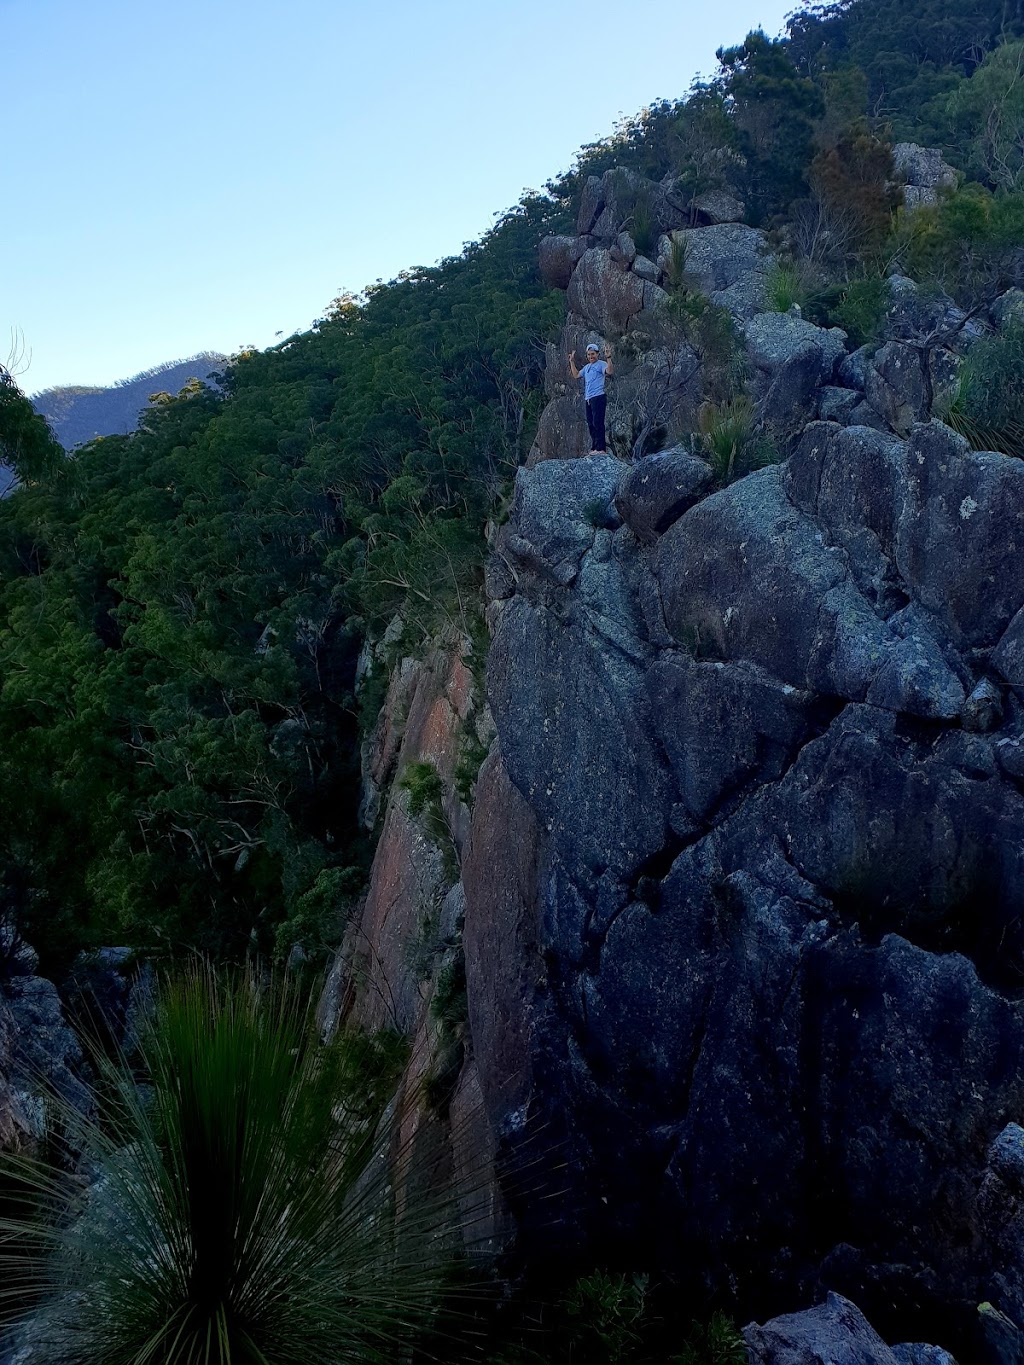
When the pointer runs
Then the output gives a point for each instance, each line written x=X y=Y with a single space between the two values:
x=744 y=883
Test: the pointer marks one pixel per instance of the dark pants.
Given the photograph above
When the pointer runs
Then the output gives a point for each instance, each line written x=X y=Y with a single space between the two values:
x=595 y=420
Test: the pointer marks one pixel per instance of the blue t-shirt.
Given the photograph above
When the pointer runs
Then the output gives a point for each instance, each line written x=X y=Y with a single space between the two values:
x=593 y=378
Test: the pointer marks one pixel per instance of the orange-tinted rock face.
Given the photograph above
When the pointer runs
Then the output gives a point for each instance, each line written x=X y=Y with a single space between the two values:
x=406 y=936
x=504 y=971
x=409 y=878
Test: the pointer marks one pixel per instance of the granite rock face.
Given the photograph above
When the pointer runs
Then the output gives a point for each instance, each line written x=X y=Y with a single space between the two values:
x=744 y=881
x=834 y=1333
x=923 y=172
x=38 y=1049
x=775 y=874
x=753 y=927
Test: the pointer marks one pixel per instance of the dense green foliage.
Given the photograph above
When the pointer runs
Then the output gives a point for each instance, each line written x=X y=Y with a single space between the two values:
x=987 y=402
x=181 y=609
x=27 y=444
x=234 y=1214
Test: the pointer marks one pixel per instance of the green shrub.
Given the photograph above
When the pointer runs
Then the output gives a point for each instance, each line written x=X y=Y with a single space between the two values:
x=423 y=783
x=986 y=403
x=858 y=307
x=426 y=797
x=725 y=429
x=716 y=1342
x=860 y=310
x=784 y=288
x=608 y=1313
x=235 y=1214
x=472 y=752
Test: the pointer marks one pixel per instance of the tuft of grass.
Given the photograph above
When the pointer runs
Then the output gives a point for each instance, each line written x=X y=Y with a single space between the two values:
x=241 y=1213
x=676 y=270
x=985 y=404
x=595 y=513
x=784 y=288
x=725 y=429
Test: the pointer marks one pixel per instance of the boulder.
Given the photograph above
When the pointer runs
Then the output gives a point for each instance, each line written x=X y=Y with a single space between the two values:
x=562 y=430
x=608 y=294
x=837 y=405
x=835 y=1333
x=864 y=415
x=982 y=712
x=658 y=489
x=1006 y=1157
x=896 y=386
x=615 y=200
x=605 y=292
x=791 y=398
x=912 y=312
x=773 y=338
x=744 y=575
x=959 y=535
x=851 y=480
x=1008 y=308
x=717 y=257
x=623 y=249
x=852 y=372
x=558 y=257
x=556 y=509
x=1008 y=658
x=919 y=1353
x=915 y=680
x=924 y=173
x=645 y=269
x=715 y=207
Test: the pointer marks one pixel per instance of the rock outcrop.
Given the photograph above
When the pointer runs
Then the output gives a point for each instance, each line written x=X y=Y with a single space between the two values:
x=38 y=1050
x=923 y=174
x=744 y=880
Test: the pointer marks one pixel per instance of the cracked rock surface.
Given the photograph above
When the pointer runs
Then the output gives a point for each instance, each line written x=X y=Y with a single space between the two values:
x=773 y=1002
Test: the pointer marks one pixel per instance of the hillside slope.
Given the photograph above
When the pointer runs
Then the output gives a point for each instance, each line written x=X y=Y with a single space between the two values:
x=78 y=414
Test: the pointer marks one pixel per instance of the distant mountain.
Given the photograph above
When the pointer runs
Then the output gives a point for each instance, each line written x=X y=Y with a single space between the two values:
x=77 y=413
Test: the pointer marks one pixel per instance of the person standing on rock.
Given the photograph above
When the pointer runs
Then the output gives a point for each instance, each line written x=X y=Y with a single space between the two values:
x=593 y=374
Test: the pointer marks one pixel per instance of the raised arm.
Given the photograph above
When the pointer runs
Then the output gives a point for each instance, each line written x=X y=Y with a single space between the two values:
x=609 y=366
x=572 y=365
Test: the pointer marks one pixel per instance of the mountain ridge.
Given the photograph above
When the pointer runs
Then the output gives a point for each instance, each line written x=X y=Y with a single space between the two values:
x=80 y=412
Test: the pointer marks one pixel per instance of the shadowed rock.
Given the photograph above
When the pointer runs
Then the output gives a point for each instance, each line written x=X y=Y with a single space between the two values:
x=658 y=490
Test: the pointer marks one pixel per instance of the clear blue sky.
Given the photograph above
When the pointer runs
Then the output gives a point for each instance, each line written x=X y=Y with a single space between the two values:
x=199 y=175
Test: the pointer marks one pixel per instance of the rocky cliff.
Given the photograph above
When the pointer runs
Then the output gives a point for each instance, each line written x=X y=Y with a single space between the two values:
x=744 y=879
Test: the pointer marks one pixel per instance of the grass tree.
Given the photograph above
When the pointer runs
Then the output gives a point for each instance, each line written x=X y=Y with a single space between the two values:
x=240 y=1204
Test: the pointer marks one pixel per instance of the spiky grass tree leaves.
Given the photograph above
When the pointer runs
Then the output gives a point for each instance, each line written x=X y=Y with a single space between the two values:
x=242 y=1206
